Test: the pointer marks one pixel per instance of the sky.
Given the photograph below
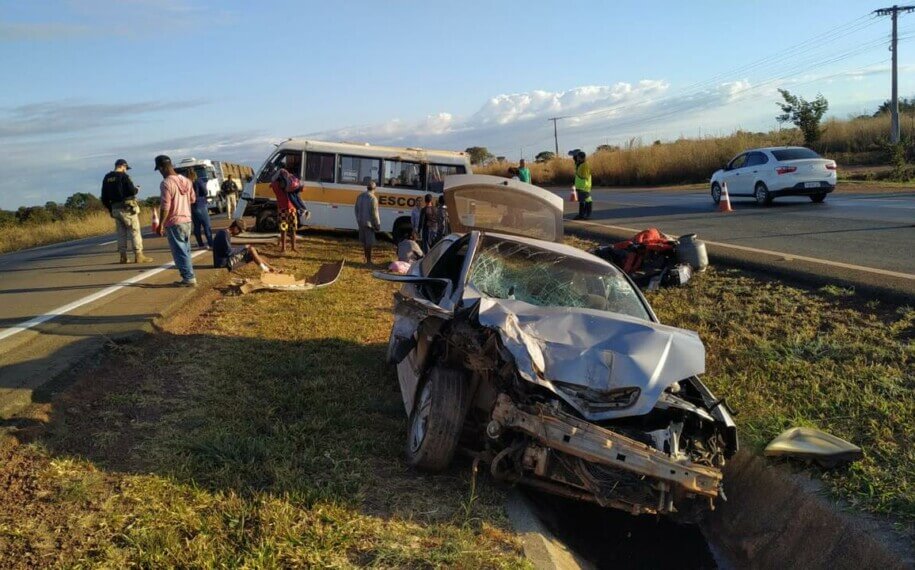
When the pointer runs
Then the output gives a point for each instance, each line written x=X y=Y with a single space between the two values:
x=86 y=81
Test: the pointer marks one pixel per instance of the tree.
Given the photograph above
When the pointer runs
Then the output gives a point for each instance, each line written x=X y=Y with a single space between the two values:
x=7 y=218
x=33 y=215
x=544 y=156
x=905 y=106
x=805 y=115
x=83 y=202
x=606 y=148
x=54 y=210
x=479 y=154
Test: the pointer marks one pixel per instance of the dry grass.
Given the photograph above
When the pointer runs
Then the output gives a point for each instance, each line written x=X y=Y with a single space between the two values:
x=24 y=236
x=685 y=161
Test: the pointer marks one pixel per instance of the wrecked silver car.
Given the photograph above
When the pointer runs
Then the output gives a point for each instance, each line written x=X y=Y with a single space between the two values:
x=547 y=363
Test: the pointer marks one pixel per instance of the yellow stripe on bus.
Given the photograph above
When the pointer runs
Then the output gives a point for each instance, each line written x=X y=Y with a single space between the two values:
x=345 y=197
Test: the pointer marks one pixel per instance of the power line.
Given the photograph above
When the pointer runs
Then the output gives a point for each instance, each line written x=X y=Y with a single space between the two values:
x=769 y=62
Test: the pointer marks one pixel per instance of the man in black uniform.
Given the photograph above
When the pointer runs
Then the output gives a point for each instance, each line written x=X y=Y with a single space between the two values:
x=119 y=195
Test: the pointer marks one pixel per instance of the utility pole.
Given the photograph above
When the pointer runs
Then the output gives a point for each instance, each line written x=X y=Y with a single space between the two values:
x=556 y=133
x=894 y=47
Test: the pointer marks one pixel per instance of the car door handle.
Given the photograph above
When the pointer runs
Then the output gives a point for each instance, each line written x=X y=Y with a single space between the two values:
x=754 y=172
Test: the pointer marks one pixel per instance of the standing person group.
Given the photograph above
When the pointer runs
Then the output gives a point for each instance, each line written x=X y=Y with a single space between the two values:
x=200 y=212
x=119 y=196
x=177 y=196
x=583 y=185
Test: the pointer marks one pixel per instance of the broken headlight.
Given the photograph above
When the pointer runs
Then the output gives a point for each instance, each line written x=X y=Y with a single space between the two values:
x=598 y=400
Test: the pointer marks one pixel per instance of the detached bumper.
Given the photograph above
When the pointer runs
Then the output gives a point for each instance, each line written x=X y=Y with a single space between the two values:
x=660 y=474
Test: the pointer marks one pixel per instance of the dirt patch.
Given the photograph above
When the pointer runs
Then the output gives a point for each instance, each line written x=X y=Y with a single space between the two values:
x=776 y=519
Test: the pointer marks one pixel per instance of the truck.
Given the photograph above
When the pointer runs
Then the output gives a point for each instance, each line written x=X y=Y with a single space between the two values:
x=215 y=173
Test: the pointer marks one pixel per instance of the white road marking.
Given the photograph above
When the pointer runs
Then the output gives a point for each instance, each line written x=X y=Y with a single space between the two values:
x=109 y=242
x=59 y=311
x=788 y=256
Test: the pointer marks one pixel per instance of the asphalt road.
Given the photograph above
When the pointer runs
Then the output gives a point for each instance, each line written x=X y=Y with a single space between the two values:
x=60 y=303
x=869 y=230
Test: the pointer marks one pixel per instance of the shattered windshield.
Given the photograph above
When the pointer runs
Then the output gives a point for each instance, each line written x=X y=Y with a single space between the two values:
x=505 y=269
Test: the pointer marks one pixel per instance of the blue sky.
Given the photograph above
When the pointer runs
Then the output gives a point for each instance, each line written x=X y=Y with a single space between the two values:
x=86 y=82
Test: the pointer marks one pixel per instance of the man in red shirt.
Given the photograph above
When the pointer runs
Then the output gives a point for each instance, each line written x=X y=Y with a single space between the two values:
x=285 y=210
x=177 y=194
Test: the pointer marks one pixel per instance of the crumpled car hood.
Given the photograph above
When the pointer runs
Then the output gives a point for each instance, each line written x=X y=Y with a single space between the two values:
x=594 y=349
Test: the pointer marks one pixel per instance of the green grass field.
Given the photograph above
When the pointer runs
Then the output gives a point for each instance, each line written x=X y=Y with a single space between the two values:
x=266 y=431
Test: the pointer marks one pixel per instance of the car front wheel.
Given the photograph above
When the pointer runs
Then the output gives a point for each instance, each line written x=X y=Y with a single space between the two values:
x=437 y=420
x=817 y=198
x=716 y=193
x=763 y=198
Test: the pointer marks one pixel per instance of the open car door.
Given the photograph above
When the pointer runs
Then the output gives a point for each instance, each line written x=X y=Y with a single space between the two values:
x=494 y=204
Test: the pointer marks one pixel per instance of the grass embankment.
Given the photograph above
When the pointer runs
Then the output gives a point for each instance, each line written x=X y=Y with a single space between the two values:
x=688 y=161
x=265 y=432
x=786 y=357
x=22 y=236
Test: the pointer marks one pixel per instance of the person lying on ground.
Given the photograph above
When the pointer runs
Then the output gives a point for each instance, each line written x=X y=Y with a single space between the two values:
x=224 y=255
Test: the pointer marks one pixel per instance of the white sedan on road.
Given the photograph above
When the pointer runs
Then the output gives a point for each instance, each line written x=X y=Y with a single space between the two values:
x=767 y=173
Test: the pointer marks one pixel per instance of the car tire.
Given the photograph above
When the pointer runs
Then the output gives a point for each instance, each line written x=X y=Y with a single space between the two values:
x=716 y=193
x=437 y=419
x=763 y=197
x=817 y=198
x=267 y=221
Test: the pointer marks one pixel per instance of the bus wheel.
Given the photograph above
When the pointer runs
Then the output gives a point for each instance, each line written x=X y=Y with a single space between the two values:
x=267 y=221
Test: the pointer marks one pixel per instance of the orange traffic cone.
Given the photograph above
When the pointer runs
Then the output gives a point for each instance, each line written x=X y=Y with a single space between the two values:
x=573 y=195
x=155 y=220
x=724 y=204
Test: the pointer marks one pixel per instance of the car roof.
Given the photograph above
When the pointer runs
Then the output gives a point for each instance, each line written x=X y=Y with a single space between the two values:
x=771 y=148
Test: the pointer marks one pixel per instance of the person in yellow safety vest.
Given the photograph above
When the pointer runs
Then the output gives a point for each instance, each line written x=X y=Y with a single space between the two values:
x=583 y=185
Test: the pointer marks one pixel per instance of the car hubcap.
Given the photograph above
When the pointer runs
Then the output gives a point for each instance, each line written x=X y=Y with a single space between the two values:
x=760 y=194
x=716 y=193
x=421 y=418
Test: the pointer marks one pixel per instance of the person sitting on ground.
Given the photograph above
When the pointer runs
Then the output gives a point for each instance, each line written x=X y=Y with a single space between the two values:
x=224 y=255
x=408 y=250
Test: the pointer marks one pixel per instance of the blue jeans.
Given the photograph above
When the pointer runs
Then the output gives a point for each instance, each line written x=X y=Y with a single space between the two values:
x=179 y=241
x=200 y=216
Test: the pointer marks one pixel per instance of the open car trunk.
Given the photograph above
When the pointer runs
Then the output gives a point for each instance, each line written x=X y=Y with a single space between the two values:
x=494 y=204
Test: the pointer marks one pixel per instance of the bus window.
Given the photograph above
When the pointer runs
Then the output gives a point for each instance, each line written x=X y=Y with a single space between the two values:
x=399 y=174
x=358 y=170
x=438 y=172
x=291 y=160
x=319 y=167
